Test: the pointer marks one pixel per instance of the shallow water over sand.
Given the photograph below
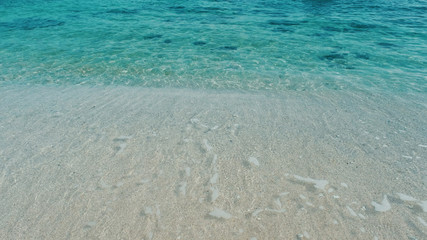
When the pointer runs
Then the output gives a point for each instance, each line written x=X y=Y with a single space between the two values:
x=134 y=163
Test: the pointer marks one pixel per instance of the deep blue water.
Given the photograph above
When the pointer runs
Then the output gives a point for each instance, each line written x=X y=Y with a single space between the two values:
x=245 y=45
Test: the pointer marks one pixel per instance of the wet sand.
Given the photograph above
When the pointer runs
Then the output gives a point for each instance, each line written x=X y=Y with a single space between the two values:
x=133 y=163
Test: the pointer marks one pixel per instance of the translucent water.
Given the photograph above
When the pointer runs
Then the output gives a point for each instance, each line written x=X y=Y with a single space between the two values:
x=257 y=119
x=244 y=45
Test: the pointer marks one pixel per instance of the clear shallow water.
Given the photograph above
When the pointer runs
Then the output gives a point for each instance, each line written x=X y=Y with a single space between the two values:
x=94 y=162
x=245 y=45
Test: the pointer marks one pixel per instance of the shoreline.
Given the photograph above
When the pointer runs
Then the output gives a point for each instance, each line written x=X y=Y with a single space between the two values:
x=96 y=162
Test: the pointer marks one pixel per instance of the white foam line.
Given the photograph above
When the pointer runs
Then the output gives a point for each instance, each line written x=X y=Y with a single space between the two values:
x=319 y=184
x=422 y=145
x=383 y=207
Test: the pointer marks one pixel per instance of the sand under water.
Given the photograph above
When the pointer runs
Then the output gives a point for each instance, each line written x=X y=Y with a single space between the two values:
x=133 y=163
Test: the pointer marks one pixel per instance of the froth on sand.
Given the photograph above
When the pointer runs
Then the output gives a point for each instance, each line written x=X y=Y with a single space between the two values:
x=134 y=163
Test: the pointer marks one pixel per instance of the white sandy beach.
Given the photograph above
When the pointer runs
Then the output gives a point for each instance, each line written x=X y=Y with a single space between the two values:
x=133 y=163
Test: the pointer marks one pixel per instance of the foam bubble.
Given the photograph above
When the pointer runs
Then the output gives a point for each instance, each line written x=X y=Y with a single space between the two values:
x=405 y=197
x=352 y=212
x=148 y=211
x=214 y=179
x=383 y=207
x=319 y=184
x=422 y=221
x=219 y=213
x=145 y=180
x=275 y=210
x=214 y=194
x=256 y=212
x=207 y=146
x=122 y=138
x=278 y=203
x=90 y=224
x=121 y=147
x=182 y=188
x=214 y=159
x=253 y=161
x=187 y=171
x=423 y=205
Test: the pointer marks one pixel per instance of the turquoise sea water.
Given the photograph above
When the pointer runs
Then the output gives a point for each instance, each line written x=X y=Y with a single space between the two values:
x=243 y=45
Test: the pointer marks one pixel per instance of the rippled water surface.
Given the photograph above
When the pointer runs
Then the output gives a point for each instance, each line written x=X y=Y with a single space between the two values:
x=245 y=45
x=256 y=119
